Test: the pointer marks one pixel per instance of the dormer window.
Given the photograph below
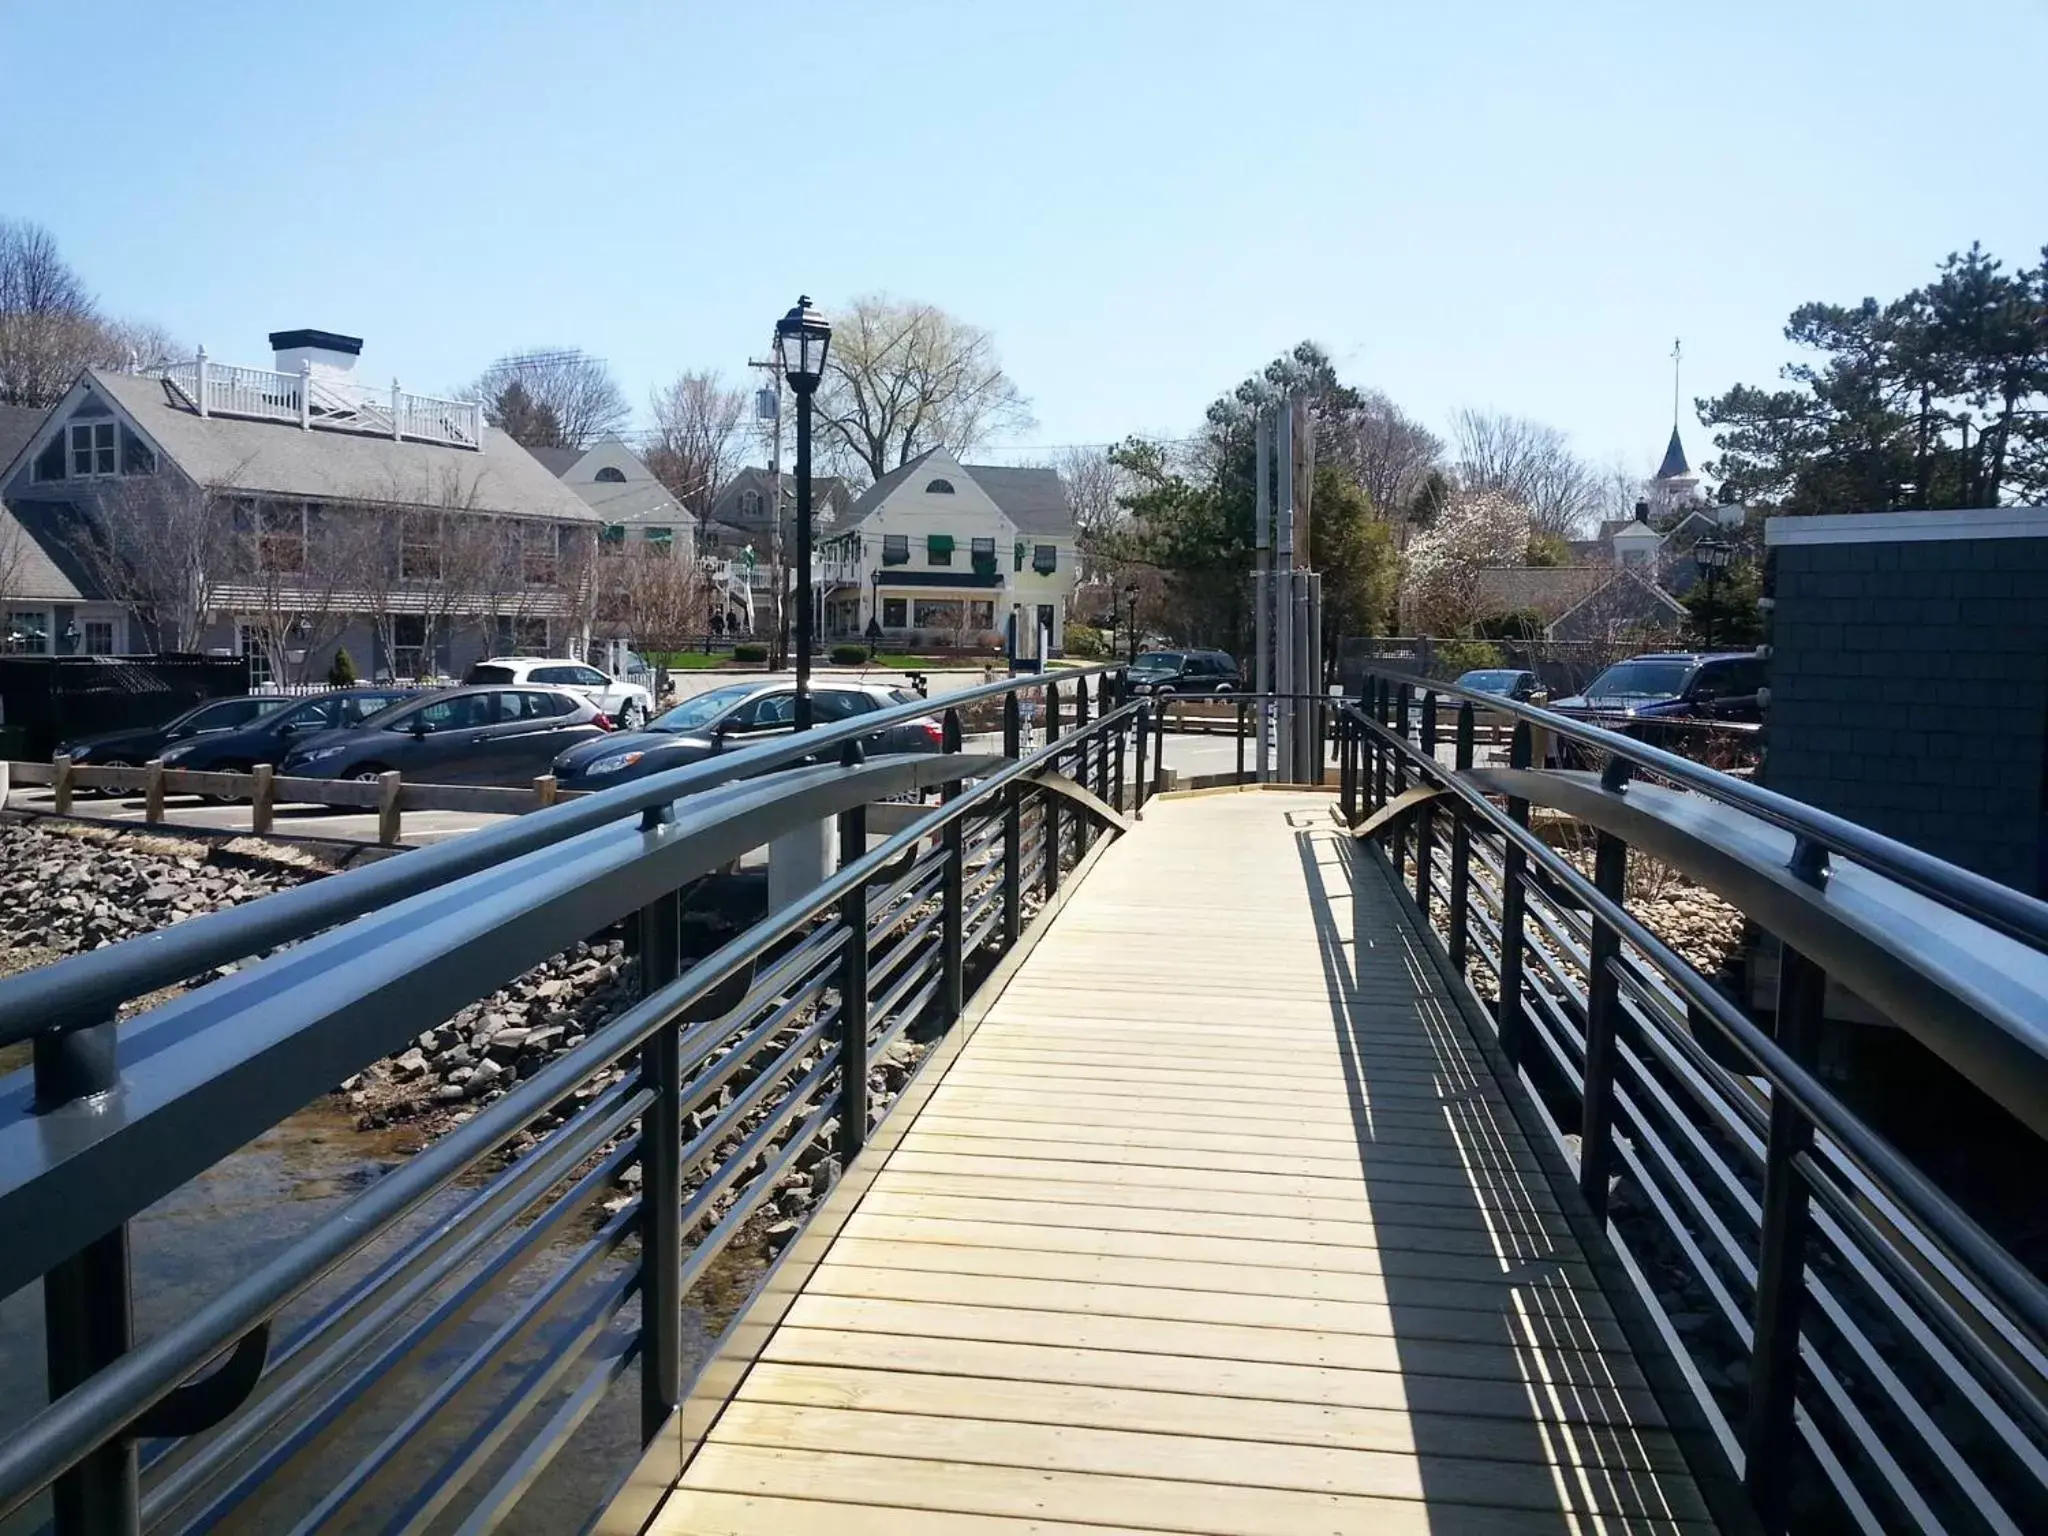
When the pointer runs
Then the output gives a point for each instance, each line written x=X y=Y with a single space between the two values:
x=92 y=449
x=750 y=503
x=611 y=475
x=939 y=488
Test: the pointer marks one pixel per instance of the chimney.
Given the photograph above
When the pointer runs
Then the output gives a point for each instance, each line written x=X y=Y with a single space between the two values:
x=330 y=357
x=1642 y=511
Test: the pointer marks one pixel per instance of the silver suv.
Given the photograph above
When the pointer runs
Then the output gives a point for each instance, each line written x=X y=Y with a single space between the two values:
x=628 y=704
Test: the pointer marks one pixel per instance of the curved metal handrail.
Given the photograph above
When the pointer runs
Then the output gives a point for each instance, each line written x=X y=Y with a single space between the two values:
x=2011 y=912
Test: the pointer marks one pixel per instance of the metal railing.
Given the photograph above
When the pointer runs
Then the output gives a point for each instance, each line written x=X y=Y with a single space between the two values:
x=1860 y=1353
x=535 y=1285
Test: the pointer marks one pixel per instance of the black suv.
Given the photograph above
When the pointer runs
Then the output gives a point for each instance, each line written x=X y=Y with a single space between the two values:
x=1184 y=673
x=1673 y=685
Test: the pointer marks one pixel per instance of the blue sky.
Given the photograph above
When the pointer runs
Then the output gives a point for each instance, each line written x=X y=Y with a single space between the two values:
x=1497 y=204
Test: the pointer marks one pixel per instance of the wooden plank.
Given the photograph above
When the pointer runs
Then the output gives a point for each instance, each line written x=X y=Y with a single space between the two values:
x=1157 y=1504
x=1182 y=1457
x=1230 y=1381
x=1413 y=1318
x=1468 y=1113
x=700 y=1512
x=1149 y=1410
x=1220 y=1090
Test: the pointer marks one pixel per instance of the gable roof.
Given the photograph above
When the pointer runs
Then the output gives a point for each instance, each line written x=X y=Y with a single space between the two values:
x=1605 y=592
x=558 y=461
x=280 y=459
x=18 y=423
x=1033 y=499
x=1546 y=590
x=38 y=561
x=880 y=491
x=1674 y=465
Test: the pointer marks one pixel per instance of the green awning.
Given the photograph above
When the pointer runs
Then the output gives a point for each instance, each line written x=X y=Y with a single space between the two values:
x=939 y=545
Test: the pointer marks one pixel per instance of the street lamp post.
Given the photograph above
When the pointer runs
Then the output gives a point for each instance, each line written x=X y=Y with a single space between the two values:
x=1712 y=557
x=802 y=337
x=1131 y=618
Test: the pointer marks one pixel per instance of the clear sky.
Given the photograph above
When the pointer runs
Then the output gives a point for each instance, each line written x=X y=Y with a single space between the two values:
x=1512 y=205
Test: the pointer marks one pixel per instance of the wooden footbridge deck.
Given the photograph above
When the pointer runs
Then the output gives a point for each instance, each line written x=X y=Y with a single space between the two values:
x=1220 y=1223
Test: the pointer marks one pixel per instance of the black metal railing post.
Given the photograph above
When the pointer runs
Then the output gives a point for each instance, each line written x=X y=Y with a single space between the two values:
x=1347 y=767
x=1082 y=757
x=1104 y=703
x=1117 y=779
x=659 y=939
x=1425 y=814
x=1603 y=1010
x=1050 y=821
x=1139 y=734
x=1461 y=845
x=1241 y=716
x=88 y=1302
x=1769 y=1437
x=1511 y=1021
x=1384 y=754
x=1013 y=828
x=1397 y=843
x=952 y=885
x=853 y=980
x=1159 y=747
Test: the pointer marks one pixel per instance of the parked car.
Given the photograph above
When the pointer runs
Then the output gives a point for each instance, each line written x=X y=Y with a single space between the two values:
x=628 y=703
x=457 y=736
x=1508 y=682
x=276 y=734
x=1184 y=672
x=131 y=749
x=735 y=716
x=1677 y=685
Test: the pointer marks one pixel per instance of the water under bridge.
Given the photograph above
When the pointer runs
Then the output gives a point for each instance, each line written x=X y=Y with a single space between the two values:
x=1346 y=1156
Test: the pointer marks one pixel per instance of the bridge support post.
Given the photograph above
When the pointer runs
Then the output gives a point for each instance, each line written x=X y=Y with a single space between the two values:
x=1425 y=816
x=1511 y=1021
x=1768 y=1440
x=659 y=939
x=1013 y=830
x=1461 y=848
x=88 y=1306
x=853 y=983
x=1603 y=1018
x=952 y=886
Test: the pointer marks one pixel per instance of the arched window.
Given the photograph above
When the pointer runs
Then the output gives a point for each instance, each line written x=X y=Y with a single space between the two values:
x=610 y=475
x=939 y=488
x=750 y=503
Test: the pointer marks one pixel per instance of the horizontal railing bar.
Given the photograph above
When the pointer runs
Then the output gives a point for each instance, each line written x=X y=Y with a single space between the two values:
x=707 y=1249
x=725 y=1124
x=902 y=948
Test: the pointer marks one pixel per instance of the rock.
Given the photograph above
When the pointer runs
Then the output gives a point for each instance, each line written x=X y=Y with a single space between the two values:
x=506 y=1042
x=779 y=1235
x=448 y=1093
x=409 y=1066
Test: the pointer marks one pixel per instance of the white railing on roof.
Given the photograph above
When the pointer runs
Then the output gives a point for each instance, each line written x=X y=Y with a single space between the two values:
x=222 y=389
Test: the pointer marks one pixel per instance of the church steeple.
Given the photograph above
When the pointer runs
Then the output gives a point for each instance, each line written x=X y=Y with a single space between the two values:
x=1674 y=483
x=1674 y=466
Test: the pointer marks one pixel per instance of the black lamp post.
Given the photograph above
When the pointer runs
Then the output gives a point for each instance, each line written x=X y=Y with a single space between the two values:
x=802 y=338
x=1712 y=557
x=1131 y=618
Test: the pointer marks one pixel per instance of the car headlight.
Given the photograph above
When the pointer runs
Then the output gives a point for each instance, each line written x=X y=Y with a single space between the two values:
x=175 y=753
x=614 y=763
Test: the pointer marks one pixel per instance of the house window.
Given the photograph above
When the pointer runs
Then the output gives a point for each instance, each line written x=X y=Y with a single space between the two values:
x=895 y=549
x=892 y=613
x=419 y=549
x=49 y=463
x=98 y=637
x=93 y=450
x=938 y=549
x=981 y=616
x=539 y=548
x=136 y=455
x=1045 y=559
x=1018 y=552
x=408 y=645
x=610 y=475
x=939 y=488
x=1635 y=558
x=253 y=641
x=938 y=613
x=661 y=542
x=276 y=532
x=750 y=503
x=985 y=557
x=28 y=631
x=611 y=539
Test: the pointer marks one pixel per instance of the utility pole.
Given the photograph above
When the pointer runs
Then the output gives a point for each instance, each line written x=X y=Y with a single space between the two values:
x=778 y=637
x=1262 y=590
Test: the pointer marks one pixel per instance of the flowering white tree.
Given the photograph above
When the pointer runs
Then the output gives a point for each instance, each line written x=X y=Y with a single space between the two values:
x=1474 y=530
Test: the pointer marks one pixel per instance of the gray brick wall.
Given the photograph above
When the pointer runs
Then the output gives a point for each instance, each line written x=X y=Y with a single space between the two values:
x=1909 y=692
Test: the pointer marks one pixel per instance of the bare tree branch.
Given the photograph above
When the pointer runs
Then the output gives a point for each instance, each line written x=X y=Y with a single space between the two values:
x=50 y=327
x=699 y=440
x=1529 y=462
x=551 y=397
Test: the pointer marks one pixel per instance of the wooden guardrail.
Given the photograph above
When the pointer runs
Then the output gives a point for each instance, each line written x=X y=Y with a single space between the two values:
x=265 y=789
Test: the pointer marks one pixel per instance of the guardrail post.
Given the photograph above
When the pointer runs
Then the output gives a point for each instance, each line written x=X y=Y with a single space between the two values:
x=1511 y=1022
x=659 y=941
x=952 y=885
x=88 y=1308
x=1013 y=828
x=1425 y=814
x=262 y=798
x=853 y=980
x=60 y=784
x=1782 y=1239
x=1461 y=847
x=544 y=789
x=153 y=790
x=1603 y=1017
x=388 y=825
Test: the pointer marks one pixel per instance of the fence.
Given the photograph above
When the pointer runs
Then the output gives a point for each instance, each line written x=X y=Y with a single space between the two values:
x=50 y=699
x=1863 y=1354
x=660 y=1133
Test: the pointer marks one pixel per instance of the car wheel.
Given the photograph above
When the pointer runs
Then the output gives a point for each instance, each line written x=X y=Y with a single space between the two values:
x=369 y=773
x=632 y=715
x=227 y=768
x=1223 y=688
x=112 y=762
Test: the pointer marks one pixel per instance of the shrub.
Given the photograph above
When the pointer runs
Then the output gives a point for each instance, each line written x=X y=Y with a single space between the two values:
x=341 y=672
x=1085 y=641
x=749 y=650
x=1456 y=656
x=849 y=655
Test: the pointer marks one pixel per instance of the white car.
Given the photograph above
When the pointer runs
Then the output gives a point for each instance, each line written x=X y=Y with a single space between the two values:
x=628 y=704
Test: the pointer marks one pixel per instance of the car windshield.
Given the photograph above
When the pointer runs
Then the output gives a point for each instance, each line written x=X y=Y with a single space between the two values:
x=1159 y=661
x=695 y=713
x=1641 y=680
x=1489 y=682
